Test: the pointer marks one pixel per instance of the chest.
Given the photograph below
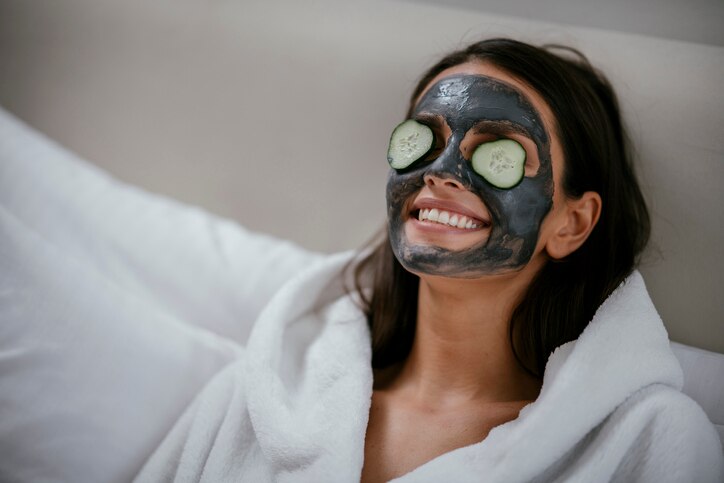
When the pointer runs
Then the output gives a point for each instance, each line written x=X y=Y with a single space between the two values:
x=400 y=437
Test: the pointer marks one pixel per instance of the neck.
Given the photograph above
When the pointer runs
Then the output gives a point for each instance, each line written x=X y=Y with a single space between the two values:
x=462 y=350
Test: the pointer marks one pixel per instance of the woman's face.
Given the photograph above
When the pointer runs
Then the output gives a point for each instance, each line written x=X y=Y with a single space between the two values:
x=465 y=106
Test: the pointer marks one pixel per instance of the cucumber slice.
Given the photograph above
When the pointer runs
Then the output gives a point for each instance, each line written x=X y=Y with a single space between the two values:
x=500 y=162
x=409 y=142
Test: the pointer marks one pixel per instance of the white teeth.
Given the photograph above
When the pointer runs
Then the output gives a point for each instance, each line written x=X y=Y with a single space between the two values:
x=444 y=217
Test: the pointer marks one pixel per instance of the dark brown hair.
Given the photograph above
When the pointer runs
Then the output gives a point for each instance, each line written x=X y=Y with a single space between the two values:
x=565 y=294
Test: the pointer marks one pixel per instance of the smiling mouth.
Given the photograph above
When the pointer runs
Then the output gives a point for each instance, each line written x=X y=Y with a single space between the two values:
x=448 y=218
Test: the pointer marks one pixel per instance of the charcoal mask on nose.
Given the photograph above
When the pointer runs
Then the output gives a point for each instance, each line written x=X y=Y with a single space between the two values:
x=467 y=102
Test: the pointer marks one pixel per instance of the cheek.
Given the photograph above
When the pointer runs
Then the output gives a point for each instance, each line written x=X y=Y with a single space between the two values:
x=393 y=186
x=400 y=187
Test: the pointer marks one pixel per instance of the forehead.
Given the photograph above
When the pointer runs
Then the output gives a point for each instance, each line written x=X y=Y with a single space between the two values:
x=466 y=99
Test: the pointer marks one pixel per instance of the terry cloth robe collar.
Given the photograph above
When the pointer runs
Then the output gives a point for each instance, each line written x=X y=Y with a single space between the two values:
x=309 y=378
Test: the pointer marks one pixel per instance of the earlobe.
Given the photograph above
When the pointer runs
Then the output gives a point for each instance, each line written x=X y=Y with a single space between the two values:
x=581 y=216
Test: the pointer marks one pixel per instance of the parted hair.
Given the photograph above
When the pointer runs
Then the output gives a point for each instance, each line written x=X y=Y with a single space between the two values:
x=565 y=293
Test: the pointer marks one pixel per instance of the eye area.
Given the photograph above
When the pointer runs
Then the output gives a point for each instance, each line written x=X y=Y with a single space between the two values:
x=500 y=162
x=411 y=141
x=518 y=147
x=496 y=151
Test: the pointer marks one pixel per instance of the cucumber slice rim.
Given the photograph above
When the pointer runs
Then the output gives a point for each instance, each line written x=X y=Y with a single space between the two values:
x=500 y=162
x=410 y=141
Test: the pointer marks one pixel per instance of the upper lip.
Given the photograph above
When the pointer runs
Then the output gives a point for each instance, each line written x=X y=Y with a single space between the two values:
x=448 y=205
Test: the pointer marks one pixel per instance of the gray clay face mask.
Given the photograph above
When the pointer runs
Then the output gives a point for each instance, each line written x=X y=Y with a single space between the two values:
x=468 y=102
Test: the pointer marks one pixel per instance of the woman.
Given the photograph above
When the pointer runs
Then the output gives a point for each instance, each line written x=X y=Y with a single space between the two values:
x=464 y=316
x=505 y=335
x=494 y=301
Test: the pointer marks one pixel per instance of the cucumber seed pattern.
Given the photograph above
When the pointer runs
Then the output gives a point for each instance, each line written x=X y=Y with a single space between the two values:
x=500 y=162
x=408 y=144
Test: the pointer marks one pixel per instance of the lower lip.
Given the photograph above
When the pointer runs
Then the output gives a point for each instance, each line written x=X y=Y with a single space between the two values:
x=433 y=227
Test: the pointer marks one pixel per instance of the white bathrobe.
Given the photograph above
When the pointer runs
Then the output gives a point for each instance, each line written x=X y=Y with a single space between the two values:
x=294 y=408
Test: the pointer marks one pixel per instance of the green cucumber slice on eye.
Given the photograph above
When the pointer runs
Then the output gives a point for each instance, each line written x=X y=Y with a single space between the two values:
x=500 y=162
x=409 y=142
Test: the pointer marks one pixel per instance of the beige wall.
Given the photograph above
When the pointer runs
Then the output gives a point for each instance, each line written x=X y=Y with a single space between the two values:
x=697 y=21
x=277 y=114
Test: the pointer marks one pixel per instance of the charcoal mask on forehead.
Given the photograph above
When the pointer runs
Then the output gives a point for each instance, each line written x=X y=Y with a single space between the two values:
x=468 y=102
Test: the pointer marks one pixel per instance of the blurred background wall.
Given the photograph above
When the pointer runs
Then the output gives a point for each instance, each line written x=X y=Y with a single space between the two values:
x=277 y=114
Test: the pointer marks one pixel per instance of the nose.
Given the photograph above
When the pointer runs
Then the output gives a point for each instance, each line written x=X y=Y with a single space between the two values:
x=435 y=180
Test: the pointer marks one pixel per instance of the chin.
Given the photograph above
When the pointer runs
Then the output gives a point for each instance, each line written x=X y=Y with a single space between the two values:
x=472 y=259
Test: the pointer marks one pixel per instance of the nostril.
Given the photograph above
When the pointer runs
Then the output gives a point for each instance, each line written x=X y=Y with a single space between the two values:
x=431 y=180
x=453 y=184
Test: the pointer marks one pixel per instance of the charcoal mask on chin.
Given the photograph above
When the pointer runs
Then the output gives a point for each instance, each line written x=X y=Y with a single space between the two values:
x=467 y=102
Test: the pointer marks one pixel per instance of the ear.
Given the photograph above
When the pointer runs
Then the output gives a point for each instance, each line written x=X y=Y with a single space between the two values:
x=579 y=218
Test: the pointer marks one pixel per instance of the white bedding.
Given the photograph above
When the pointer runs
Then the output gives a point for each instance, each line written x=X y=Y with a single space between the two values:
x=116 y=307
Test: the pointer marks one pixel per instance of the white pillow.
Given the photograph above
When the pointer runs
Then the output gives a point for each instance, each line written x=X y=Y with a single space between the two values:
x=116 y=307
x=704 y=381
